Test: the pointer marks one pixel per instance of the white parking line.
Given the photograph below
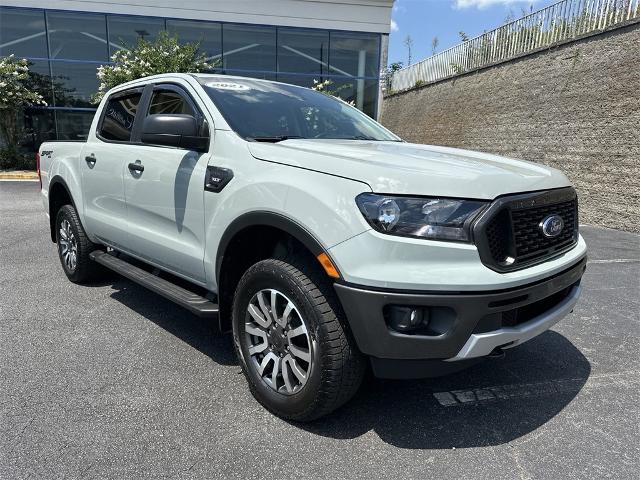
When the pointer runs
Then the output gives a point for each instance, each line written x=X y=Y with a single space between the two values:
x=550 y=387
x=18 y=179
x=616 y=260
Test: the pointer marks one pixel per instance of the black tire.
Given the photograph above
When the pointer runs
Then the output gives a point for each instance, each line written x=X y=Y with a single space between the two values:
x=337 y=367
x=85 y=269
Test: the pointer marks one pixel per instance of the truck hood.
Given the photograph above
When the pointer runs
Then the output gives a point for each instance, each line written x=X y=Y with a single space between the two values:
x=405 y=168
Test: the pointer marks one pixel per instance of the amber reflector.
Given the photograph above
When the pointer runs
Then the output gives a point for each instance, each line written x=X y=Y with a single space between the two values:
x=325 y=261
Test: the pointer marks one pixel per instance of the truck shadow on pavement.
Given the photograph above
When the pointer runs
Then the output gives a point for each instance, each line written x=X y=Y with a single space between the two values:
x=491 y=403
x=197 y=332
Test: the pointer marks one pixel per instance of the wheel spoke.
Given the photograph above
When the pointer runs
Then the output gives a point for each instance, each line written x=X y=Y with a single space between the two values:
x=301 y=353
x=260 y=347
x=284 y=320
x=275 y=371
x=301 y=330
x=269 y=357
x=274 y=306
x=264 y=308
x=249 y=328
x=63 y=234
x=257 y=316
x=285 y=374
x=297 y=371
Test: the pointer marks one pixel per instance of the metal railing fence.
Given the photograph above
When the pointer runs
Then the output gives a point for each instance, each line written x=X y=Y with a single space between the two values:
x=561 y=21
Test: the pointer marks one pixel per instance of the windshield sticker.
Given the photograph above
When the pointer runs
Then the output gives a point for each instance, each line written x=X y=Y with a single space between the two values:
x=227 y=86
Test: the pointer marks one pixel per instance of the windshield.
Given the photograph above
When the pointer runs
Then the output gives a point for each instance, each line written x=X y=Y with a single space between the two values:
x=264 y=111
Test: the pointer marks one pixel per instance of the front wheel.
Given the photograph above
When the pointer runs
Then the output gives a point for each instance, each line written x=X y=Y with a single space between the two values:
x=293 y=344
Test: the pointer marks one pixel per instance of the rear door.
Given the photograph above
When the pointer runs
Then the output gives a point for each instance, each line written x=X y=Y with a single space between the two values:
x=165 y=208
x=103 y=165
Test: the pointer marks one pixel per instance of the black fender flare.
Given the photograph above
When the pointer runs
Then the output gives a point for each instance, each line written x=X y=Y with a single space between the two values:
x=267 y=219
x=57 y=180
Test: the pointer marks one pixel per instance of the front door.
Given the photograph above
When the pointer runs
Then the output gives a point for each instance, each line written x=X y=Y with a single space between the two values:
x=103 y=165
x=165 y=197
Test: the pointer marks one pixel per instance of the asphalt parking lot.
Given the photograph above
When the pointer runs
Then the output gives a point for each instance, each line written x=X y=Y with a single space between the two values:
x=111 y=381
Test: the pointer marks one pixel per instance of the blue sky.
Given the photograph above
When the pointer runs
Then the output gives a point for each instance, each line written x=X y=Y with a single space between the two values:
x=425 y=19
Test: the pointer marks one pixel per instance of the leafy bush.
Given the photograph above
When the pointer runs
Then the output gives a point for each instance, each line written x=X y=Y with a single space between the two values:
x=13 y=159
x=15 y=95
x=163 y=55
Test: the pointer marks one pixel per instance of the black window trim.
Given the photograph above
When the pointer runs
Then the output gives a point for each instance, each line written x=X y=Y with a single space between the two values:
x=167 y=86
x=146 y=91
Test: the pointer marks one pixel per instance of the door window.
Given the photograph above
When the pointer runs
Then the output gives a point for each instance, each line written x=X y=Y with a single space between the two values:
x=119 y=114
x=169 y=102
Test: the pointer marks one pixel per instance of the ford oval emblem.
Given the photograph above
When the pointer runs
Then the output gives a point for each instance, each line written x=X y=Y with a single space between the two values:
x=552 y=226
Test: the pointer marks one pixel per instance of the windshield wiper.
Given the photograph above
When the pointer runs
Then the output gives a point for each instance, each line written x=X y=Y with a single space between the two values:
x=274 y=139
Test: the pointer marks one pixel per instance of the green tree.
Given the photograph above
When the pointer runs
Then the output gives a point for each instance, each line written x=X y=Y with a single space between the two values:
x=162 y=55
x=15 y=95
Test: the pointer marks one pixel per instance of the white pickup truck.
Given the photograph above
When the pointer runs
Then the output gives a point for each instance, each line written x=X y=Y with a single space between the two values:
x=324 y=242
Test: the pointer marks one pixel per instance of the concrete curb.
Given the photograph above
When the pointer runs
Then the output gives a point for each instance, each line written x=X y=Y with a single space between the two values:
x=19 y=175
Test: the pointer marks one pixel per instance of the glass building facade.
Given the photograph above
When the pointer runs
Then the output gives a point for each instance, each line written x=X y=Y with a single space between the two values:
x=65 y=48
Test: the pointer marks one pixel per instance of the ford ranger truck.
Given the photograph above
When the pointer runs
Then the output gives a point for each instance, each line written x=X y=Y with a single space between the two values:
x=321 y=240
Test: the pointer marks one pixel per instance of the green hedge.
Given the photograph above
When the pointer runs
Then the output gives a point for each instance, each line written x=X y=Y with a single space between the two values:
x=13 y=159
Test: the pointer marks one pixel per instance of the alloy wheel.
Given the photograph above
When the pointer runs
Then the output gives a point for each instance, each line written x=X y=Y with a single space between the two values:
x=278 y=341
x=68 y=246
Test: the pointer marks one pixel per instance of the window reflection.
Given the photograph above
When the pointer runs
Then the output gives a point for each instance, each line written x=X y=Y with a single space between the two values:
x=39 y=126
x=78 y=43
x=73 y=125
x=119 y=114
x=74 y=83
x=169 y=102
x=40 y=79
x=303 y=51
x=354 y=54
x=124 y=32
x=208 y=35
x=77 y=36
x=260 y=75
x=362 y=93
x=22 y=32
x=249 y=47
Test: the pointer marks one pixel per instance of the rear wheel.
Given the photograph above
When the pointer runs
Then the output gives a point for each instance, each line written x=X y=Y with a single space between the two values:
x=294 y=347
x=74 y=247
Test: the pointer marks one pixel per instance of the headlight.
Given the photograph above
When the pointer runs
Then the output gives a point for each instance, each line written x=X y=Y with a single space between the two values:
x=433 y=218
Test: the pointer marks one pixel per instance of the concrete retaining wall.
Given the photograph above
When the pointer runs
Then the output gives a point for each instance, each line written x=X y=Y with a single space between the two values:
x=575 y=107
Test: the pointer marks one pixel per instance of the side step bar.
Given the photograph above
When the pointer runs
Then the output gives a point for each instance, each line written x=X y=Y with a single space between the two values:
x=193 y=302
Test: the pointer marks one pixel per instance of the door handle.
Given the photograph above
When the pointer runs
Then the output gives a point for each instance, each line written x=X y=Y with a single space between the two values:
x=90 y=159
x=136 y=167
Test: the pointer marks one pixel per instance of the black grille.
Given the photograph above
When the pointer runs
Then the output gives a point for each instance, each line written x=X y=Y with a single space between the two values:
x=498 y=231
x=530 y=243
x=509 y=236
x=517 y=316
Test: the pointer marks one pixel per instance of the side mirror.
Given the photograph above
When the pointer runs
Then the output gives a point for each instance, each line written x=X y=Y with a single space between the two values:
x=175 y=130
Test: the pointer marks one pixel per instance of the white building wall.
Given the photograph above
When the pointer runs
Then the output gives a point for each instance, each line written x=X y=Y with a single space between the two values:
x=353 y=15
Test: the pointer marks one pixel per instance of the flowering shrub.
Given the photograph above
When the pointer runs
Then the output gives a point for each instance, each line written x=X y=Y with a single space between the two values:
x=164 y=55
x=15 y=94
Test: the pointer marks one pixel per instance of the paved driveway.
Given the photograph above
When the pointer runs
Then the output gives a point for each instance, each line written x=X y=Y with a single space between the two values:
x=111 y=381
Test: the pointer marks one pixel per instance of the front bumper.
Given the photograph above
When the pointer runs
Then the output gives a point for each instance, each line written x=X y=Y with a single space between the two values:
x=468 y=324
